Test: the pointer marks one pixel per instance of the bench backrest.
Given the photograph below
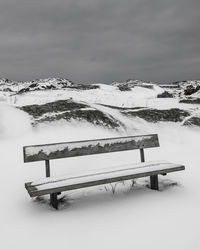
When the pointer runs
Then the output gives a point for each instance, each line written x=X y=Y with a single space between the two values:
x=79 y=148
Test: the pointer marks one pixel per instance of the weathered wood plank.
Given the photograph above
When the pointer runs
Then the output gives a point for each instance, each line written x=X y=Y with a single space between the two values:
x=33 y=191
x=89 y=147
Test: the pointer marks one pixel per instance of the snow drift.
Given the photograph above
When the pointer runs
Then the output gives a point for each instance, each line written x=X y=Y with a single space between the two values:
x=13 y=122
x=105 y=217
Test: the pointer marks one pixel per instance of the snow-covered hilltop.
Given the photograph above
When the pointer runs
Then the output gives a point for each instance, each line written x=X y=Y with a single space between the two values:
x=190 y=91
x=114 y=106
x=7 y=85
x=38 y=84
x=50 y=115
x=183 y=89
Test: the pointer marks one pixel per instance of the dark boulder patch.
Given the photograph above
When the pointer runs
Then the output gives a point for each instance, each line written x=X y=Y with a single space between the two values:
x=124 y=87
x=190 y=100
x=84 y=86
x=190 y=89
x=165 y=94
x=69 y=110
x=155 y=115
x=120 y=108
x=192 y=121
x=91 y=116
x=57 y=106
x=7 y=89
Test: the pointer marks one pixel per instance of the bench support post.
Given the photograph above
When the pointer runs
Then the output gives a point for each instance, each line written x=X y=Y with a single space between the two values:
x=54 y=200
x=53 y=197
x=154 y=182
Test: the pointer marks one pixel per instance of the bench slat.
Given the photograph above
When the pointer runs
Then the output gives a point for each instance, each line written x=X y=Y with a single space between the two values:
x=59 y=184
x=89 y=147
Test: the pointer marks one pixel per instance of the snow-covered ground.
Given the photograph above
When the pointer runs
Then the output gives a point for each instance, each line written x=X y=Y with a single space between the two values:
x=106 y=94
x=95 y=218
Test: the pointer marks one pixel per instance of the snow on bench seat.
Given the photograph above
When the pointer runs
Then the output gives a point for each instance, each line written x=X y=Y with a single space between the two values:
x=57 y=184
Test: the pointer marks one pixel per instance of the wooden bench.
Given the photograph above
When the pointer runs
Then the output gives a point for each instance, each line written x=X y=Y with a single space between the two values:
x=55 y=185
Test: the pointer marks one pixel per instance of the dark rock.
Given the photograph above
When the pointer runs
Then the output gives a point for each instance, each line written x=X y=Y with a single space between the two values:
x=165 y=94
x=67 y=110
x=190 y=89
x=57 y=106
x=7 y=90
x=192 y=121
x=191 y=100
x=154 y=115
x=124 y=87
x=93 y=116
x=84 y=86
x=121 y=108
x=33 y=85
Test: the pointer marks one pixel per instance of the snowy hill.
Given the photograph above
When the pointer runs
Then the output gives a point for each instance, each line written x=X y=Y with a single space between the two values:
x=107 y=216
x=8 y=86
x=114 y=106
x=131 y=83
x=48 y=83
x=38 y=84
x=183 y=89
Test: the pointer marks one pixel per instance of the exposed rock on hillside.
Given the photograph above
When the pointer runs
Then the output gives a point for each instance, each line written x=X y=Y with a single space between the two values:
x=42 y=84
x=155 y=115
x=190 y=89
x=57 y=106
x=192 y=121
x=165 y=94
x=191 y=100
x=67 y=110
x=84 y=86
x=124 y=87
x=134 y=83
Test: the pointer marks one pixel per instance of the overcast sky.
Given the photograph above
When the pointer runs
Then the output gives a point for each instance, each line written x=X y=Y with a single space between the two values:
x=100 y=40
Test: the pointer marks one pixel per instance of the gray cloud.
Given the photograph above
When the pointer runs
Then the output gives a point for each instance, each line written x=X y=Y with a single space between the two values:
x=100 y=40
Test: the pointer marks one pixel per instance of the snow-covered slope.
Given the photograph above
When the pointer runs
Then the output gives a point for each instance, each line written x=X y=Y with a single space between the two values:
x=8 y=86
x=114 y=217
x=51 y=99
x=183 y=89
x=38 y=84
x=131 y=218
x=105 y=94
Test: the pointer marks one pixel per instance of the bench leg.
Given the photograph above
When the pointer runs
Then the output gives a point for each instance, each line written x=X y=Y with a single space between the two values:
x=54 y=200
x=154 y=182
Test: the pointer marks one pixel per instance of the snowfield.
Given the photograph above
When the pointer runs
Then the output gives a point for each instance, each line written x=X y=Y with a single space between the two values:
x=106 y=94
x=103 y=217
x=138 y=96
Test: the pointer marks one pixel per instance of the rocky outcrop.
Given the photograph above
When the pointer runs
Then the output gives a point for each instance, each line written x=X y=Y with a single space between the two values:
x=57 y=106
x=84 y=86
x=165 y=94
x=124 y=87
x=192 y=121
x=191 y=89
x=191 y=100
x=68 y=110
x=155 y=115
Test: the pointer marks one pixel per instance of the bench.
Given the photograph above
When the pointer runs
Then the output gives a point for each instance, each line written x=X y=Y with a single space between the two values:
x=53 y=186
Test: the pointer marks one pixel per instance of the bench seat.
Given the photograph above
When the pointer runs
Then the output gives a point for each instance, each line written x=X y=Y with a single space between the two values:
x=51 y=185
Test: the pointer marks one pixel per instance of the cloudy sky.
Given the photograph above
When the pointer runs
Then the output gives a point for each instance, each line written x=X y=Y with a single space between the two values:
x=100 y=40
